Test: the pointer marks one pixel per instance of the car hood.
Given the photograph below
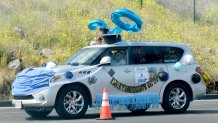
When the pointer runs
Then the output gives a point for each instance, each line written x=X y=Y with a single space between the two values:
x=64 y=68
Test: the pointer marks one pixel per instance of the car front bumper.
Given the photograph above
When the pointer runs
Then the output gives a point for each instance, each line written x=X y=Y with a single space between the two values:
x=44 y=98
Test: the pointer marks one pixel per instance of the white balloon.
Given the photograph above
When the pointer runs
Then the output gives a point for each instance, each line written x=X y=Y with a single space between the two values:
x=188 y=60
x=50 y=65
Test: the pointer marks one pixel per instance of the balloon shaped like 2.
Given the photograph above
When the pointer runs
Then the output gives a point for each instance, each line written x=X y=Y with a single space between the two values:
x=94 y=23
x=136 y=20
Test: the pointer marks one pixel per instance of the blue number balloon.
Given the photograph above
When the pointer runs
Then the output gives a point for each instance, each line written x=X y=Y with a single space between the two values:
x=116 y=18
x=115 y=31
x=137 y=21
x=94 y=23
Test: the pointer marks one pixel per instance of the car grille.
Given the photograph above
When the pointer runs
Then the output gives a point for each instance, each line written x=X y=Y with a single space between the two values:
x=23 y=97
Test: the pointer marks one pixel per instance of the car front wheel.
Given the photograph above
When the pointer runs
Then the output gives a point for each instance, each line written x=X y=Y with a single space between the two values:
x=38 y=114
x=176 y=98
x=72 y=102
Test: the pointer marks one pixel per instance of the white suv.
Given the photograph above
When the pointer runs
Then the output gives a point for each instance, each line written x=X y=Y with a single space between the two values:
x=138 y=75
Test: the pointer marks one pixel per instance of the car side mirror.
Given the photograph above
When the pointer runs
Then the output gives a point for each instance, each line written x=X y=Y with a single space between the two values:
x=105 y=60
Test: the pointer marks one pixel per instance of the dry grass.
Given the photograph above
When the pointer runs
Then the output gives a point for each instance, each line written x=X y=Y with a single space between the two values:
x=6 y=79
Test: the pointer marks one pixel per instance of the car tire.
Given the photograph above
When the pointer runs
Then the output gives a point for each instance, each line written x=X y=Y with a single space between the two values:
x=72 y=102
x=136 y=111
x=176 y=99
x=38 y=114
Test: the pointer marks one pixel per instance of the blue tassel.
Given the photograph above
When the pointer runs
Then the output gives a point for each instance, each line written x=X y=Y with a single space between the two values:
x=139 y=101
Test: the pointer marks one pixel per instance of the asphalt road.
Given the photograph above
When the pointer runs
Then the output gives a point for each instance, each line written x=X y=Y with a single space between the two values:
x=202 y=111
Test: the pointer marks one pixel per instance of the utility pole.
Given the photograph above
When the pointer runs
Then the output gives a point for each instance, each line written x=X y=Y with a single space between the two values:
x=141 y=3
x=194 y=12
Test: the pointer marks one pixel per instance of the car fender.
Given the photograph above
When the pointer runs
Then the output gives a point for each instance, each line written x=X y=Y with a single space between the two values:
x=173 y=81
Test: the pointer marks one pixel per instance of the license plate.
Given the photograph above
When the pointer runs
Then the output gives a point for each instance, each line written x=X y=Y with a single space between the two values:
x=18 y=104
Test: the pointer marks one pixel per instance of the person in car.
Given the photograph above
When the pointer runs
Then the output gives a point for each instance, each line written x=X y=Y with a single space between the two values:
x=118 y=58
x=99 y=39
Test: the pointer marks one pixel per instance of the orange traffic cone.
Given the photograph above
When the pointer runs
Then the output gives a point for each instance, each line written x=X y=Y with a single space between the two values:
x=105 y=113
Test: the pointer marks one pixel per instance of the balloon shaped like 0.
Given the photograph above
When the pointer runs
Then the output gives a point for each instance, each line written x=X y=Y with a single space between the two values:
x=137 y=21
x=94 y=23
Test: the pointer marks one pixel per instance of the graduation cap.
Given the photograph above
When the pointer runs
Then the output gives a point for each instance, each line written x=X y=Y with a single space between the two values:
x=111 y=38
x=108 y=37
x=103 y=30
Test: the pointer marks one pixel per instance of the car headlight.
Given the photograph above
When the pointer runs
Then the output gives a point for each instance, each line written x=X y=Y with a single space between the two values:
x=55 y=78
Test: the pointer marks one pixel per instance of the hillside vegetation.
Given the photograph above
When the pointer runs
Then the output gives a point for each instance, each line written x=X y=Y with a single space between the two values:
x=28 y=26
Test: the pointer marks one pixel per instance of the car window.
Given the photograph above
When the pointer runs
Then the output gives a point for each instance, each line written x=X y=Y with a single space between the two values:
x=118 y=56
x=146 y=55
x=85 y=56
x=172 y=54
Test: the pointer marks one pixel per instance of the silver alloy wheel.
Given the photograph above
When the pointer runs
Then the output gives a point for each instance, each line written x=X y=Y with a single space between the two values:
x=177 y=98
x=73 y=102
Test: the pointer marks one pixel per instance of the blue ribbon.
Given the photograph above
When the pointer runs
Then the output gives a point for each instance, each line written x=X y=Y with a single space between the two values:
x=134 y=102
x=31 y=80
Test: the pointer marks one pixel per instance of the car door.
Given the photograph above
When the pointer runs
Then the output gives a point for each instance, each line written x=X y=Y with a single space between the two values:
x=116 y=77
x=148 y=72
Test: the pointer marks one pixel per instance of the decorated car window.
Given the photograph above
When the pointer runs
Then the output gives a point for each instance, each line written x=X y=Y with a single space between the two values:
x=146 y=55
x=172 y=54
x=118 y=56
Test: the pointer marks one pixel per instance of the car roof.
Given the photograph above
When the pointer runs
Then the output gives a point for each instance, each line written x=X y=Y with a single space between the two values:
x=141 y=43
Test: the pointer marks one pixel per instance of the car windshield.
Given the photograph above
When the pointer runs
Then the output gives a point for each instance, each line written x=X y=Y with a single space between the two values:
x=85 y=56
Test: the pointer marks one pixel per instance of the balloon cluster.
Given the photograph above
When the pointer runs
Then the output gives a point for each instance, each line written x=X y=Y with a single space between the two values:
x=117 y=18
x=187 y=60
